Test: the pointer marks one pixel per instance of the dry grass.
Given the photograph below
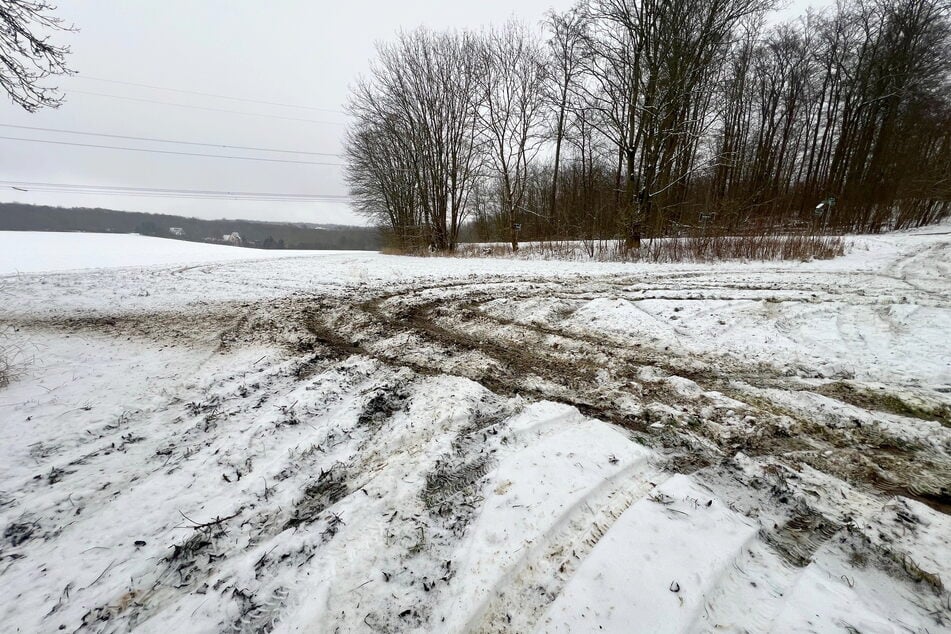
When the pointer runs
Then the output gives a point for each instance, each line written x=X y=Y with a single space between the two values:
x=886 y=402
x=7 y=351
x=6 y=366
x=8 y=357
x=693 y=249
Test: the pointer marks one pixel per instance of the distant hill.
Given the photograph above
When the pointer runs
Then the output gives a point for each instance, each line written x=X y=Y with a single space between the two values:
x=253 y=233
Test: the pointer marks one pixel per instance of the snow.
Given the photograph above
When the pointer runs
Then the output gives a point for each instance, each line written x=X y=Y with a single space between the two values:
x=820 y=333
x=204 y=438
x=664 y=555
x=38 y=251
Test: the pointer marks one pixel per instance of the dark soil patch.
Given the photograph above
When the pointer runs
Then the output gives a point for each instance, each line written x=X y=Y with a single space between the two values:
x=882 y=401
x=330 y=487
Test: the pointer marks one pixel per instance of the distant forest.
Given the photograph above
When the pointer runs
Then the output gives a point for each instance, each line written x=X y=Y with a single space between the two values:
x=265 y=235
x=633 y=118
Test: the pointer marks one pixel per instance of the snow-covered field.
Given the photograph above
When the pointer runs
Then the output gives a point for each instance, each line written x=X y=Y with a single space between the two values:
x=35 y=251
x=358 y=442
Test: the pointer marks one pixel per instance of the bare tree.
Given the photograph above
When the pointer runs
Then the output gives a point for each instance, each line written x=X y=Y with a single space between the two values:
x=512 y=111
x=814 y=110
x=380 y=173
x=675 y=51
x=667 y=117
x=419 y=107
x=565 y=45
x=27 y=56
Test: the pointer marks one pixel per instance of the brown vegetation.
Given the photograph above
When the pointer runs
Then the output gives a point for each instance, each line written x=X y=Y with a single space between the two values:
x=698 y=249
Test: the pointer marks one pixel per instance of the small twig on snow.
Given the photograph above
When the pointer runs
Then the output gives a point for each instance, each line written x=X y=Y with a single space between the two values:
x=101 y=574
x=214 y=522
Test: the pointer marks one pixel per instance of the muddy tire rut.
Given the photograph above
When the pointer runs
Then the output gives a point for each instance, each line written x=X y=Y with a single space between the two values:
x=635 y=385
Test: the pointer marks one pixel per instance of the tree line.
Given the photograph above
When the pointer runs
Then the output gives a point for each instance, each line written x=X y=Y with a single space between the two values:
x=634 y=119
x=266 y=235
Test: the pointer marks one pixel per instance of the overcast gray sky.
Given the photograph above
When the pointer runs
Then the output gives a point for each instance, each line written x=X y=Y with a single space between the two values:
x=282 y=51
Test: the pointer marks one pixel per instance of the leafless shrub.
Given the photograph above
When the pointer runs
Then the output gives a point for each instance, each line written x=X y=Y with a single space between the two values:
x=8 y=366
x=7 y=354
x=692 y=249
x=11 y=356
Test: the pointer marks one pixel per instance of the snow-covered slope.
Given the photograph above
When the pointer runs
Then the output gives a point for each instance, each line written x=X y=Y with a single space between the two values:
x=358 y=442
x=38 y=251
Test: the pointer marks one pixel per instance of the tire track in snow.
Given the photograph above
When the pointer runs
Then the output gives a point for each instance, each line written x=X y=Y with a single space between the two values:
x=518 y=599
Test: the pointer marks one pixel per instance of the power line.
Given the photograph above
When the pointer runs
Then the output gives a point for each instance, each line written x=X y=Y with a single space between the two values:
x=208 y=94
x=145 y=194
x=155 y=140
x=83 y=192
x=153 y=151
x=112 y=190
x=160 y=189
x=182 y=105
x=178 y=196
